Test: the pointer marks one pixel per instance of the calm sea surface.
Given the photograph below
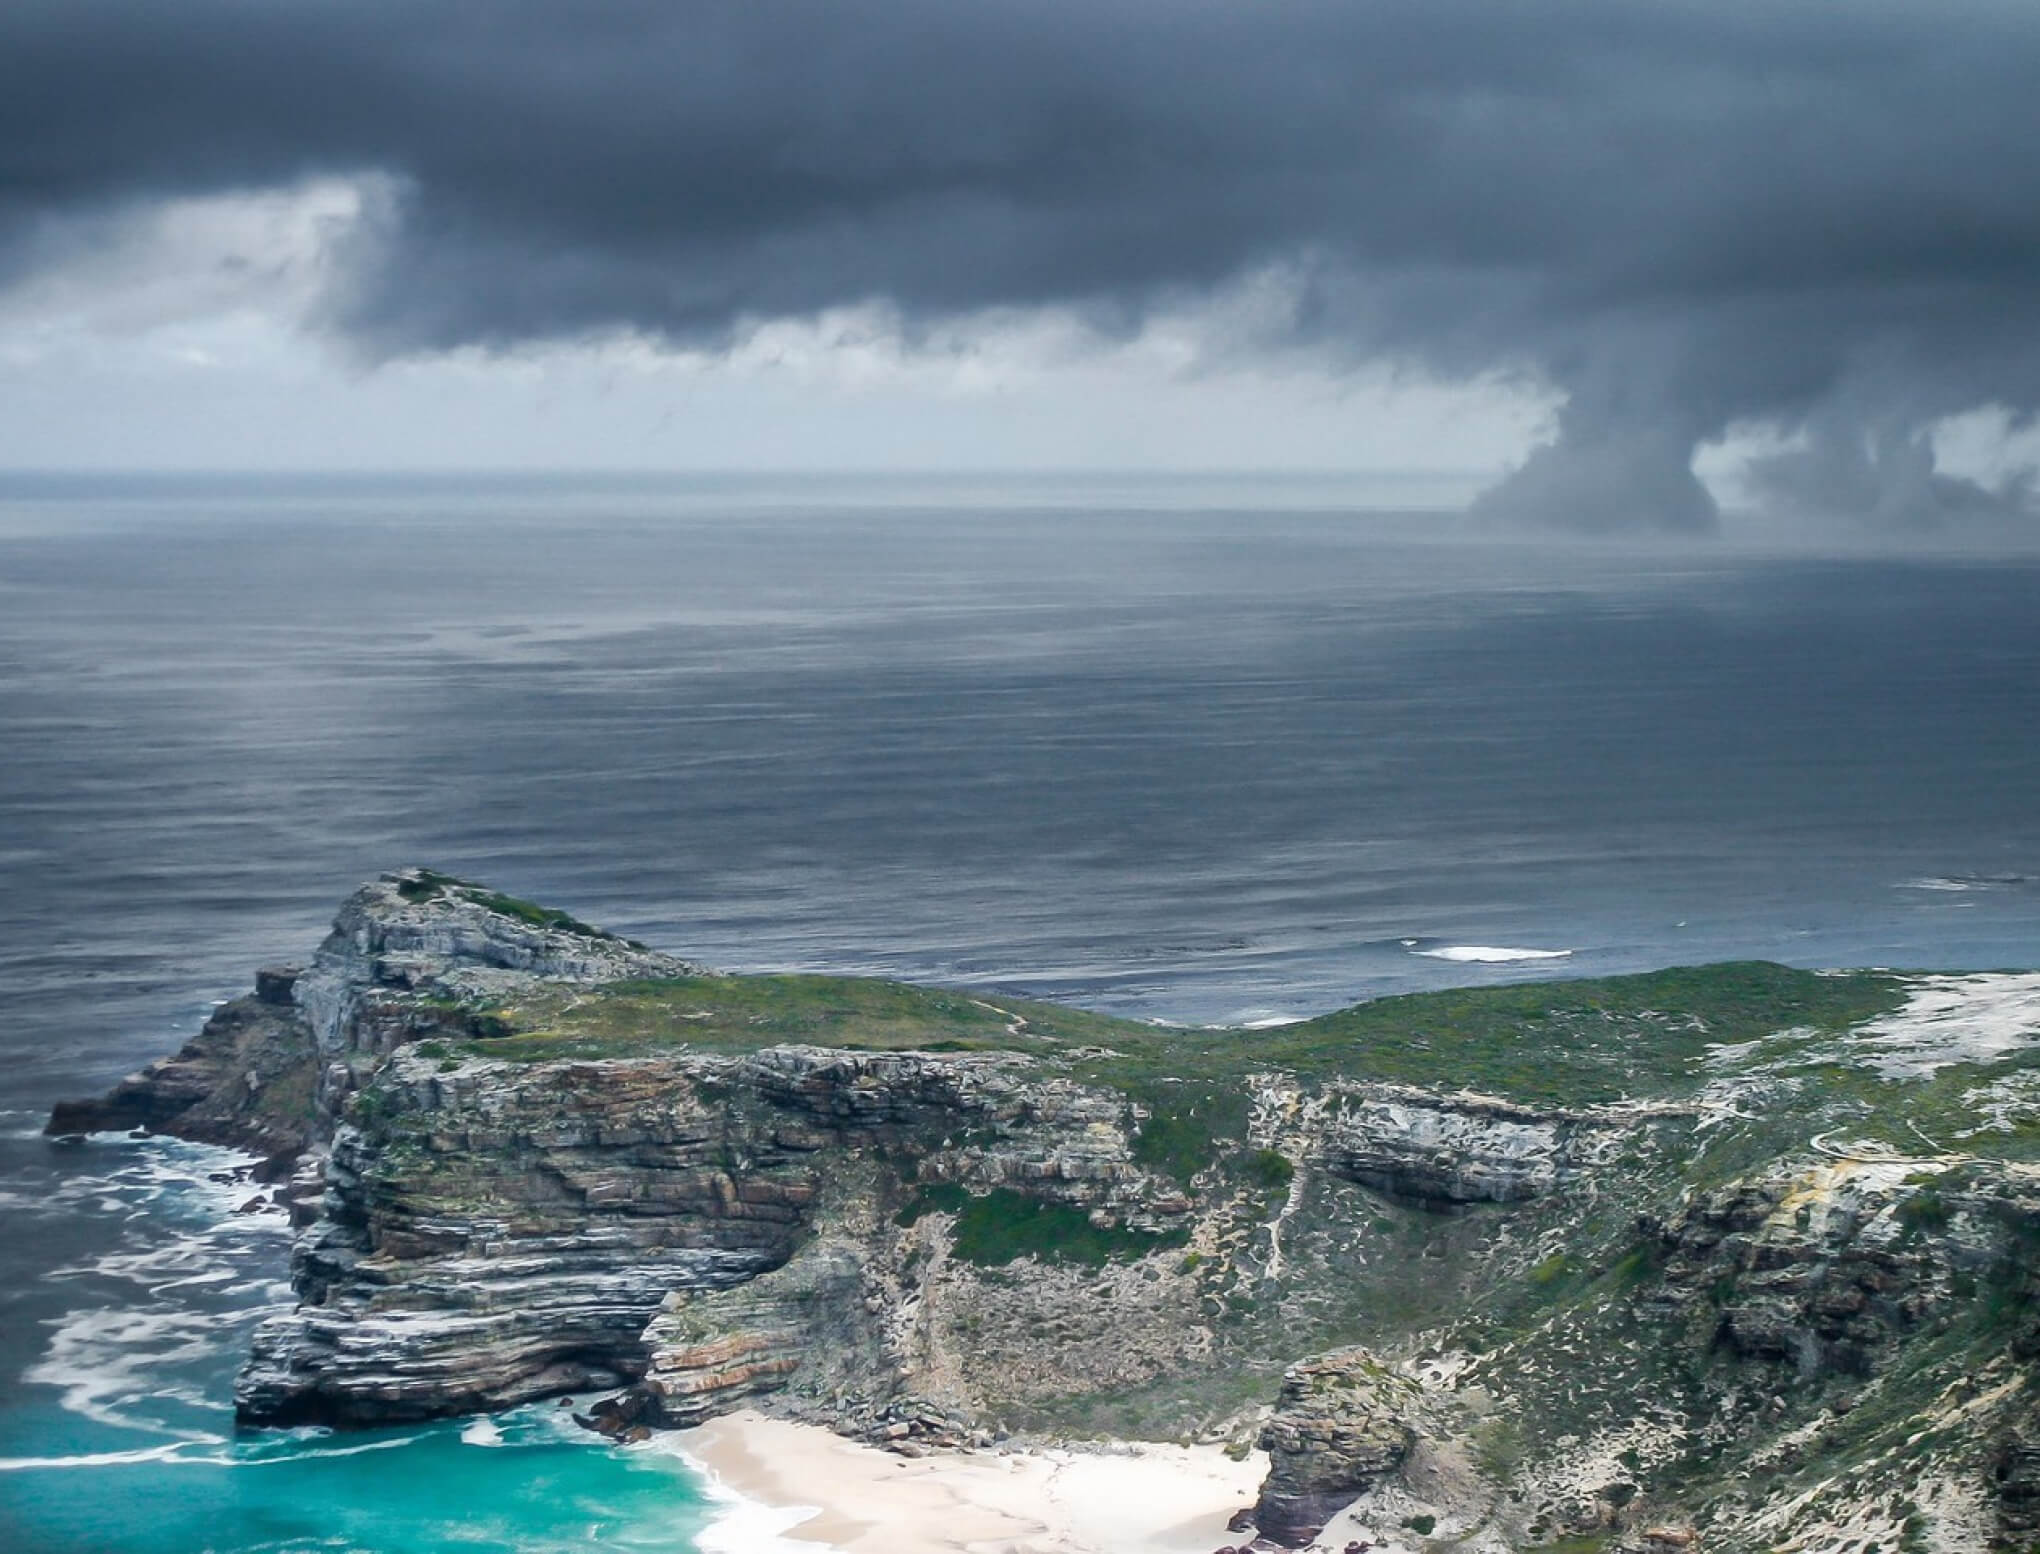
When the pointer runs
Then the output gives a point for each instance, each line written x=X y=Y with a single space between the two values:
x=1205 y=752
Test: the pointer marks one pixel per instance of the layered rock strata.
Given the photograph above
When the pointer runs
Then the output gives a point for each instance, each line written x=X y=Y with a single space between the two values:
x=1342 y=1425
x=499 y=1233
x=711 y=1351
x=492 y=1232
x=1574 y=1313
x=1451 y=1150
x=245 y=1081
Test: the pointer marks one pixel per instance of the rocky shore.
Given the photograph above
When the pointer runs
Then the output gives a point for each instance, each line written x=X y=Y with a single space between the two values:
x=526 y=1158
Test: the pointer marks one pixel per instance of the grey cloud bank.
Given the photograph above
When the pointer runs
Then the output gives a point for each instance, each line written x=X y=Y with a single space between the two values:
x=1687 y=217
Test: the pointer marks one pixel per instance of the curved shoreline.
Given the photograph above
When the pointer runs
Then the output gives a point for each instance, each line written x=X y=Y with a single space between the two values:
x=857 y=1499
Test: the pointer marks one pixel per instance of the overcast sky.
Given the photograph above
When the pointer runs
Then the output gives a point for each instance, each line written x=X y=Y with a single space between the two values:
x=1568 y=247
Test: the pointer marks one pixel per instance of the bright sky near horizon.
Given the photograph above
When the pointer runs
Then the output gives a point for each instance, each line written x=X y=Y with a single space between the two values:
x=193 y=339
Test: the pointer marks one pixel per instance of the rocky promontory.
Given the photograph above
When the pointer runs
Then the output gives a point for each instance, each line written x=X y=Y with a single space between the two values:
x=245 y=1080
x=1593 y=1261
x=1341 y=1427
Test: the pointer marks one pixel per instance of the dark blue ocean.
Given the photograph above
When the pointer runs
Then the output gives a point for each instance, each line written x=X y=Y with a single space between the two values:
x=1209 y=751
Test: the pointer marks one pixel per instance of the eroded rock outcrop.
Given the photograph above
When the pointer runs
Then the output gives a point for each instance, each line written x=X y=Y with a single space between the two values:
x=1343 y=1424
x=414 y=953
x=246 y=1080
x=2015 y=1483
x=1446 y=1151
x=1827 y=1268
x=411 y=955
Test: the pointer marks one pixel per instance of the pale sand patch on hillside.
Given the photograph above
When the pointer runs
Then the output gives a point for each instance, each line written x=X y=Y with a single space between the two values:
x=1947 y=1020
x=1143 y=1499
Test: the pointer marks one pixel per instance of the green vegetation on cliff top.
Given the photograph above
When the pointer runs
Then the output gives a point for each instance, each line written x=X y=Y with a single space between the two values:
x=419 y=886
x=1578 y=1041
x=1573 y=1042
x=1586 y=1041
x=743 y=1014
x=1659 y=1035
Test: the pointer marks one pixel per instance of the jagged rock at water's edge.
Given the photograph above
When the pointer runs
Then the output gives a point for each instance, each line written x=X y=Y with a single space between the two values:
x=245 y=1081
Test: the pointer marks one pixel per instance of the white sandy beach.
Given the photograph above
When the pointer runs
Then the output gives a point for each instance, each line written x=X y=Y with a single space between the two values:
x=1146 y=1499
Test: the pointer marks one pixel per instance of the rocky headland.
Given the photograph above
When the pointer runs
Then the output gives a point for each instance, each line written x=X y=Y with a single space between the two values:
x=1687 y=1259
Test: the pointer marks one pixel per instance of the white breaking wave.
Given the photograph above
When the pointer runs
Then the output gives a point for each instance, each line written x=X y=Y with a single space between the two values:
x=240 y=1455
x=1491 y=954
x=96 y=1459
x=482 y=1432
x=211 y=1451
x=742 y=1525
x=198 y=1182
x=104 y=1362
x=139 y=1366
x=746 y=1527
x=1955 y=883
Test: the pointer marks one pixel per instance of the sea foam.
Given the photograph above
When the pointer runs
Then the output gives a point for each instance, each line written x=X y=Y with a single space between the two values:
x=739 y=1524
x=1490 y=954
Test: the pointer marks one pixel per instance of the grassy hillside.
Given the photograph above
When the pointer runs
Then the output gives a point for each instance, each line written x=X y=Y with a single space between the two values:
x=1570 y=1042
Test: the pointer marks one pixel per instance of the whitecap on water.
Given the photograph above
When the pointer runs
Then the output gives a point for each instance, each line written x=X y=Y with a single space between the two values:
x=1490 y=954
x=156 y=1310
x=96 y=1459
x=1960 y=883
x=212 y=1257
x=136 y=1177
x=482 y=1432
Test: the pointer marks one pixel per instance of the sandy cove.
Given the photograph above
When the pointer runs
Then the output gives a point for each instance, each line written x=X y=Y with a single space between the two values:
x=1144 y=1499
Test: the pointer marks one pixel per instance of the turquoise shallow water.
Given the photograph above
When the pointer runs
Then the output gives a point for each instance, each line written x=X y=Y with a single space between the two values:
x=537 y=1492
x=139 y=1455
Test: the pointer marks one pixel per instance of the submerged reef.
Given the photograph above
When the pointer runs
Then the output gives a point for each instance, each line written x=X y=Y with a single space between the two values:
x=1735 y=1256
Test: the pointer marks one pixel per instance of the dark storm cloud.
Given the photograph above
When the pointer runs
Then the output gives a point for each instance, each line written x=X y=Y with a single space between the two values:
x=1684 y=215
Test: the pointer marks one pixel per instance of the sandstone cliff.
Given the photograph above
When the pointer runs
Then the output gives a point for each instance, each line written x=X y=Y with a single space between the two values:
x=1592 y=1261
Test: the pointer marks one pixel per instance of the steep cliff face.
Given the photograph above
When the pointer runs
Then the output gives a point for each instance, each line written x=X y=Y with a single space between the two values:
x=487 y=1237
x=1829 y=1354
x=1611 y=1281
x=1870 y=1327
x=1825 y=1270
x=1445 y=1150
x=412 y=955
x=415 y=953
x=495 y=1231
